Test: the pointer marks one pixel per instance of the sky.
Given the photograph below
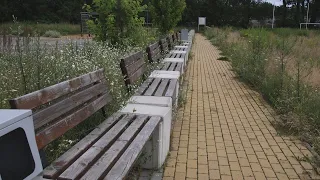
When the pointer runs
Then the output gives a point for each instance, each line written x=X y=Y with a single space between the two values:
x=276 y=2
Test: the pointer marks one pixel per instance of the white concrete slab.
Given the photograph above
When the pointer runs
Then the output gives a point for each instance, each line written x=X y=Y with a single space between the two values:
x=165 y=74
x=186 y=46
x=151 y=100
x=174 y=60
x=158 y=147
x=179 y=52
x=178 y=60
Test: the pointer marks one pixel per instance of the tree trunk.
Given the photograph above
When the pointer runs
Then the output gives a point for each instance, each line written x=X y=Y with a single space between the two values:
x=284 y=13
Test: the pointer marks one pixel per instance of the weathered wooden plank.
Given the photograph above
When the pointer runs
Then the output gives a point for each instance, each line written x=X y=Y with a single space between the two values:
x=144 y=86
x=133 y=58
x=133 y=67
x=152 y=88
x=170 y=92
x=179 y=67
x=162 y=87
x=64 y=161
x=83 y=163
x=172 y=66
x=166 y=66
x=54 y=131
x=129 y=157
x=154 y=52
x=37 y=98
x=56 y=110
x=164 y=45
x=109 y=158
x=137 y=75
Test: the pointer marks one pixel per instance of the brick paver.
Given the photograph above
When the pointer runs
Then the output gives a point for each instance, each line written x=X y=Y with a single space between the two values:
x=224 y=131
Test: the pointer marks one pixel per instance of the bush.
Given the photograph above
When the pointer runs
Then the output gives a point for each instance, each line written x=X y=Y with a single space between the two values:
x=166 y=13
x=118 y=20
x=52 y=34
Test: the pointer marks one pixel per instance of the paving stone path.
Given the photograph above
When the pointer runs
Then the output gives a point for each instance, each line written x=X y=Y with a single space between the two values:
x=224 y=132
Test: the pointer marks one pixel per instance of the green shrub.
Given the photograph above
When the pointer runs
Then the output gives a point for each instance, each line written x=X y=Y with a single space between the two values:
x=166 y=13
x=118 y=20
x=52 y=34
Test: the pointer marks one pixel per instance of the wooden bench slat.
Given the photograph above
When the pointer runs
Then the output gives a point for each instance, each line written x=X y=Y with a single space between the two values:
x=166 y=66
x=143 y=87
x=152 y=87
x=54 y=131
x=154 y=52
x=56 y=110
x=109 y=158
x=75 y=170
x=129 y=157
x=172 y=67
x=137 y=75
x=179 y=67
x=60 y=164
x=171 y=91
x=133 y=67
x=37 y=98
x=161 y=89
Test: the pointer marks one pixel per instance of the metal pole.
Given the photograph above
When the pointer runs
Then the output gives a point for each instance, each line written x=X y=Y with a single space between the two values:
x=274 y=7
x=307 y=20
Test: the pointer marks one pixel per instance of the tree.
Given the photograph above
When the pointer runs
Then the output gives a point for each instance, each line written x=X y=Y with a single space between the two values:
x=117 y=21
x=166 y=13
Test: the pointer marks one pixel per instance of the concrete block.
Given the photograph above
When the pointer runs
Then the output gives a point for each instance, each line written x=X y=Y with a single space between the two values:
x=151 y=100
x=165 y=74
x=158 y=147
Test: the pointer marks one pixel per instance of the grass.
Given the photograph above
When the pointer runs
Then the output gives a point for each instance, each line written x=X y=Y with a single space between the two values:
x=283 y=64
x=32 y=29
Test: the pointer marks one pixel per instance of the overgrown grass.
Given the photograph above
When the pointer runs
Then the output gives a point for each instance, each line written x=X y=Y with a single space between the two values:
x=32 y=29
x=280 y=64
x=32 y=66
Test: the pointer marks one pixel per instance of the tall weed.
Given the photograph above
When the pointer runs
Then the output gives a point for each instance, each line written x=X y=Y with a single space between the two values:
x=279 y=63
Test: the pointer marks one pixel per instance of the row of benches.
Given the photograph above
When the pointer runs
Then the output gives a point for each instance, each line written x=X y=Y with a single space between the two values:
x=112 y=148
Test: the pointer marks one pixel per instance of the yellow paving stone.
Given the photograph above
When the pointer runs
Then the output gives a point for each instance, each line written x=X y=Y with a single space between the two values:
x=180 y=176
x=224 y=130
x=181 y=167
x=213 y=164
x=192 y=164
x=169 y=172
x=192 y=173
x=167 y=178
x=269 y=173
x=203 y=169
x=202 y=160
x=247 y=172
x=192 y=155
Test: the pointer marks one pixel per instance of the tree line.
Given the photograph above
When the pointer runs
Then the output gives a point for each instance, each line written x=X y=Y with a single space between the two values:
x=218 y=12
x=240 y=12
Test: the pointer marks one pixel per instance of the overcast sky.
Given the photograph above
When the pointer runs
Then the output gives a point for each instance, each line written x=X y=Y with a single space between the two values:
x=276 y=2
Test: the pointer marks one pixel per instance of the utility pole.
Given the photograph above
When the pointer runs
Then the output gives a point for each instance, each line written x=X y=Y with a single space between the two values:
x=307 y=20
x=274 y=8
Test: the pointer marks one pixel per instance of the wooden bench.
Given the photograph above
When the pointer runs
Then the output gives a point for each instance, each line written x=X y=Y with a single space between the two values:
x=109 y=151
x=165 y=49
x=154 y=55
x=133 y=68
x=151 y=86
